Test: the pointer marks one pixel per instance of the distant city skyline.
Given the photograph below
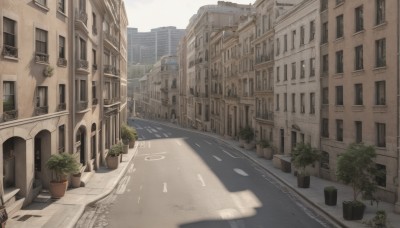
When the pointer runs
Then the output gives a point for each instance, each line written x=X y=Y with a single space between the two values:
x=149 y=14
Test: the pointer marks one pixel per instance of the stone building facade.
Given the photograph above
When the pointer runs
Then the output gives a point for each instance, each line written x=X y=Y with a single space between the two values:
x=53 y=74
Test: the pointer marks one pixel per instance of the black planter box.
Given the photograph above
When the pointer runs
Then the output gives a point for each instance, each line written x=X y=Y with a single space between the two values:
x=303 y=181
x=353 y=210
x=330 y=197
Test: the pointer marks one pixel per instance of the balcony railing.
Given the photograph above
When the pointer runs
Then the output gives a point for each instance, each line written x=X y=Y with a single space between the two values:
x=41 y=110
x=265 y=116
x=41 y=57
x=95 y=101
x=62 y=107
x=112 y=39
x=82 y=64
x=111 y=101
x=81 y=105
x=110 y=69
x=10 y=115
x=82 y=16
x=94 y=66
x=62 y=62
x=10 y=51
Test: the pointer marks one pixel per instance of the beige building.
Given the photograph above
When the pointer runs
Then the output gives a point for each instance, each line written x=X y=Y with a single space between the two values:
x=169 y=75
x=53 y=76
x=359 y=80
x=216 y=91
x=297 y=86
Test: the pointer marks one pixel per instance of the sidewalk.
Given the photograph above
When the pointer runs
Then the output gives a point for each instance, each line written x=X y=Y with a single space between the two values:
x=65 y=212
x=315 y=194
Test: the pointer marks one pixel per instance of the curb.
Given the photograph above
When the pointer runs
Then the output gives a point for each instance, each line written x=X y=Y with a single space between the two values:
x=75 y=219
x=316 y=206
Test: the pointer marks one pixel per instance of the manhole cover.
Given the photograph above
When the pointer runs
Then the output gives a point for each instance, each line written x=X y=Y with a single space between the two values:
x=154 y=157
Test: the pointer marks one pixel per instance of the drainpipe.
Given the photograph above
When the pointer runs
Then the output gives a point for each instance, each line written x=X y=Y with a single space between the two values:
x=396 y=179
x=72 y=68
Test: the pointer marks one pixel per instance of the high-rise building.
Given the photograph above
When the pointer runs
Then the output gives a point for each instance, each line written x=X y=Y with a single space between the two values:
x=149 y=47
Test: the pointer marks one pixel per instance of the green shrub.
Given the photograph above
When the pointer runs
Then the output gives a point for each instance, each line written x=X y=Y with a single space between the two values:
x=115 y=150
x=246 y=133
x=62 y=165
x=304 y=155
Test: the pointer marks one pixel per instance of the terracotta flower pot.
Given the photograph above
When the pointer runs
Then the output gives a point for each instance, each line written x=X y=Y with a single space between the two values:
x=58 y=189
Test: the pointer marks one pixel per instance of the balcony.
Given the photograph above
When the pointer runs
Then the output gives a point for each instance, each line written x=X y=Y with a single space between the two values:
x=112 y=40
x=82 y=16
x=164 y=89
x=62 y=107
x=41 y=110
x=111 y=101
x=265 y=116
x=10 y=115
x=95 y=101
x=111 y=70
x=81 y=105
x=82 y=66
x=61 y=62
x=10 y=51
x=41 y=57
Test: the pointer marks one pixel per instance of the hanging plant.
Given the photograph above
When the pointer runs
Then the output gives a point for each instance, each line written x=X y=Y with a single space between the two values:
x=48 y=71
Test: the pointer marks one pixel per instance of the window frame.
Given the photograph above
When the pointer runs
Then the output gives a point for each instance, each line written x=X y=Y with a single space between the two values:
x=12 y=95
x=380 y=53
x=339 y=26
x=339 y=95
x=380 y=135
x=339 y=62
x=359 y=18
x=359 y=57
x=358 y=94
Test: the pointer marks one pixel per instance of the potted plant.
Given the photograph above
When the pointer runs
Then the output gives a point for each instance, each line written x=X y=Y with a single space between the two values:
x=267 y=150
x=247 y=134
x=127 y=136
x=61 y=166
x=135 y=137
x=356 y=167
x=112 y=158
x=330 y=195
x=303 y=155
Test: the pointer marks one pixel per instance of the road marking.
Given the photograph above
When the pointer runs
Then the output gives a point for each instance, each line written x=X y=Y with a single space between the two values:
x=201 y=180
x=179 y=143
x=159 y=128
x=166 y=135
x=152 y=154
x=131 y=169
x=138 y=200
x=158 y=136
x=154 y=130
x=122 y=185
x=218 y=159
x=241 y=172
x=208 y=142
x=165 y=188
x=226 y=152
x=197 y=144
x=149 y=130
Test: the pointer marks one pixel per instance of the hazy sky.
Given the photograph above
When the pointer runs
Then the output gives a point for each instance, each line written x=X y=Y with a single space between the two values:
x=148 y=14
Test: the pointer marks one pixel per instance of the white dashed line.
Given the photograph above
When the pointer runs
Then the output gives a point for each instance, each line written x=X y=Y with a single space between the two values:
x=218 y=159
x=179 y=143
x=208 y=142
x=165 y=135
x=138 y=200
x=158 y=136
x=241 y=172
x=201 y=180
x=197 y=145
x=226 y=152
x=165 y=188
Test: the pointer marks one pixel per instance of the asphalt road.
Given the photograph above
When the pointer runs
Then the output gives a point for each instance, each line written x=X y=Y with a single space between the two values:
x=184 y=179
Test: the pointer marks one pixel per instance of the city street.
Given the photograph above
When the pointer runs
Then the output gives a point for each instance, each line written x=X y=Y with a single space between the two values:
x=184 y=179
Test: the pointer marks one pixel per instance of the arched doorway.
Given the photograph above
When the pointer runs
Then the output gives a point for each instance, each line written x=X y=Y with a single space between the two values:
x=14 y=155
x=41 y=152
x=80 y=144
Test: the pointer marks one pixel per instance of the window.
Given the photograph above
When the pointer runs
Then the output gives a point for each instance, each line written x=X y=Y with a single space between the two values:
x=380 y=12
x=285 y=43
x=61 y=47
x=339 y=62
x=61 y=6
x=41 y=46
x=359 y=18
x=9 y=41
x=61 y=94
x=41 y=2
x=302 y=69
x=302 y=103
x=94 y=96
x=285 y=102
x=339 y=130
x=358 y=126
x=312 y=67
x=61 y=138
x=312 y=103
x=82 y=5
x=8 y=96
x=339 y=2
x=380 y=47
x=82 y=46
x=94 y=59
x=325 y=95
x=325 y=64
x=301 y=35
x=41 y=97
x=324 y=5
x=381 y=177
x=277 y=74
x=293 y=71
x=278 y=47
x=293 y=102
x=285 y=72
x=312 y=30
x=380 y=135
x=94 y=26
x=293 y=38
x=339 y=26
x=82 y=94
x=359 y=62
x=339 y=95
x=324 y=33
x=358 y=92
x=325 y=128
x=277 y=102
x=380 y=93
